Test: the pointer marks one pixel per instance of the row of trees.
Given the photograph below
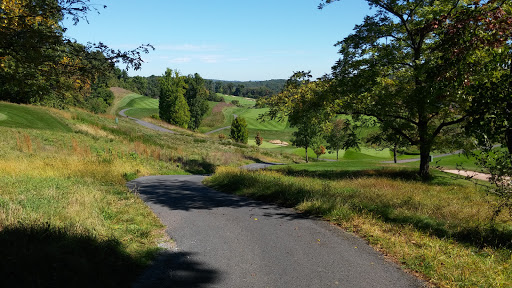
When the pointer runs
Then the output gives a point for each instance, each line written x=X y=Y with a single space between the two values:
x=183 y=99
x=38 y=64
x=250 y=89
x=150 y=86
x=430 y=72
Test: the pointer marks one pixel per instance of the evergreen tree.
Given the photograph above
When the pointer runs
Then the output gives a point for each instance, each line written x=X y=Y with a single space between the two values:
x=239 y=131
x=197 y=100
x=173 y=107
x=180 y=112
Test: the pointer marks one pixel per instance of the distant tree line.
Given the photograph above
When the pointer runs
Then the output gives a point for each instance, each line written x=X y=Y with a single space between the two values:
x=250 y=89
x=149 y=86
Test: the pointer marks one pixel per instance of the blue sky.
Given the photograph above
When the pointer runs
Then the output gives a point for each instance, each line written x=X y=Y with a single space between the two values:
x=226 y=39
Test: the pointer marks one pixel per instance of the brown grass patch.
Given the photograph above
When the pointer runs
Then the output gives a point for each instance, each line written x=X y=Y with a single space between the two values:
x=120 y=92
x=94 y=131
x=220 y=106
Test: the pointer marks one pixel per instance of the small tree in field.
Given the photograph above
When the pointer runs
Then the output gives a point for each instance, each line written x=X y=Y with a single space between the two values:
x=239 y=131
x=259 y=139
x=341 y=136
x=319 y=150
x=298 y=102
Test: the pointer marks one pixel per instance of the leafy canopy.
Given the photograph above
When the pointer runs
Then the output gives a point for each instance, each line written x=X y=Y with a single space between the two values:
x=38 y=64
x=410 y=64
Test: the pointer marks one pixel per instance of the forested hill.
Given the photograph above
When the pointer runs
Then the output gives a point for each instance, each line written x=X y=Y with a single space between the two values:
x=252 y=89
x=149 y=86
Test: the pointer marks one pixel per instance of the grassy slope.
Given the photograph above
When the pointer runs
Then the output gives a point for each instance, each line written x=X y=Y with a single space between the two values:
x=440 y=229
x=141 y=106
x=65 y=213
x=242 y=100
x=280 y=130
x=21 y=116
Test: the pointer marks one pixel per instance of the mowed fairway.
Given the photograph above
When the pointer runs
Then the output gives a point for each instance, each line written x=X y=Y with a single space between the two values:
x=21 y=116
x=141 y=106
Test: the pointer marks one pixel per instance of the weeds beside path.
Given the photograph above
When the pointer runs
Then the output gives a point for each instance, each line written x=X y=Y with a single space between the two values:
x=439 y=229
x=232 y=241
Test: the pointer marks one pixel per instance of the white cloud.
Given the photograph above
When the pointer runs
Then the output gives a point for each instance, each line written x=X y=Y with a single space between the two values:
x=211 y=58
x=180 y=60
x=186 y=47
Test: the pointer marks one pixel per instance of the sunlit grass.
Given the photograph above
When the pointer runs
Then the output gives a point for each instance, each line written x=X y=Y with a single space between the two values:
x=24 y=116
x=440 y=229
x=65 y=189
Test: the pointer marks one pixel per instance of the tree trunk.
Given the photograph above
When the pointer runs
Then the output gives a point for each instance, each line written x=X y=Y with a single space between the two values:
x=307 y=159
x=424 y=161
x=394 y=153
x=425 y=144
x=337 y=154
x=508 y=139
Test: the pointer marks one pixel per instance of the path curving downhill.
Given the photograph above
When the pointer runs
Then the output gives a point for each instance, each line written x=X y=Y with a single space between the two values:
x=224 y=240
x=220 y=129
x=144 y=123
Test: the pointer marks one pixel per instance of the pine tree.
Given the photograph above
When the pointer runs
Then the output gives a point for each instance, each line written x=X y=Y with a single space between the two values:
x=239 y=131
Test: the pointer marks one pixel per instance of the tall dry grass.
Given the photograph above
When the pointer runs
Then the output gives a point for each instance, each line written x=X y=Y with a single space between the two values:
x=441 y=230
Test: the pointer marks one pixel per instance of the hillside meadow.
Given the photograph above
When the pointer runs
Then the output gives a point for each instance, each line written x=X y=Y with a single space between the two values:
x=64 y=207
x=63 y=176
x=440 y=229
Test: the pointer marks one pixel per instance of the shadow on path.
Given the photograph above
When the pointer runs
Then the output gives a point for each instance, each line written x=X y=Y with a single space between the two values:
x=177 y=269
x=186 y=192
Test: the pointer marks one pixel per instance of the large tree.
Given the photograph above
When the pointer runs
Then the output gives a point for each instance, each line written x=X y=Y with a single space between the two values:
x=197 y=99
x=38 y=64
x=410 y=63
x=173 y=107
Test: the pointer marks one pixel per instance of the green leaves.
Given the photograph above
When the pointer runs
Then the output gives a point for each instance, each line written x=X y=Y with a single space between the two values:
x=173 y=107
x=412 y=63
x=239 y=131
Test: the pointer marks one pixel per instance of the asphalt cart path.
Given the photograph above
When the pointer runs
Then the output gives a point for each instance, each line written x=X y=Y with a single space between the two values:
x=144 y=123
x=223 y=240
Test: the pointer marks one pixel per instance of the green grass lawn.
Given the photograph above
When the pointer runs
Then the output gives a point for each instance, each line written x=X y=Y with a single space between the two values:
x=22 y=116
x=141 y=106
x=242 y=100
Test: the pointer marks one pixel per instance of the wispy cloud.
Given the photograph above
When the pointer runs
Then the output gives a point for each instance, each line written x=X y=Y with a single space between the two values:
x=187 y=47
x=237 y=59
x=211 y=58
x=180 y=60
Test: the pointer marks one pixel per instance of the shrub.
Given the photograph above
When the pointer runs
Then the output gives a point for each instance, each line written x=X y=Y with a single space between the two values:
x=239 y=131
x=259 y=139
x=319 y=150
x=96 y=105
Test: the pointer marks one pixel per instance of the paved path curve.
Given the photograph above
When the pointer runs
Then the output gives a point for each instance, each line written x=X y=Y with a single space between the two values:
x=144 y=123
x=220 y=129
x=225 y=240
